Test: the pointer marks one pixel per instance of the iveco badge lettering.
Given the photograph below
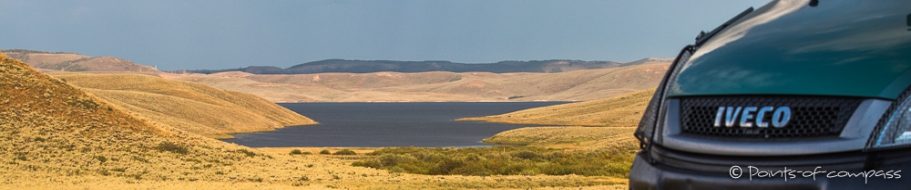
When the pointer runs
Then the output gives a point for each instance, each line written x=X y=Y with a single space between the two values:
x=752 y=115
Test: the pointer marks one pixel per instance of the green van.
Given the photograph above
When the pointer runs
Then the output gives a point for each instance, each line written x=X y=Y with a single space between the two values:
x=797 y=94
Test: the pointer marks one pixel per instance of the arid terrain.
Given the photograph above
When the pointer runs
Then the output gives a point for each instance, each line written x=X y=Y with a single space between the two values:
x=60 y=136
x=438 y=86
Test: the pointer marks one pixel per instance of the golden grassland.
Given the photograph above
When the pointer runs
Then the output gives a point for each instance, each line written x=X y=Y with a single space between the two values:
x=569 y=137
x=502 y=160
x=57 y=136
x=438 y=86
x=191 y=107
x=604 y=125
x=620 y=111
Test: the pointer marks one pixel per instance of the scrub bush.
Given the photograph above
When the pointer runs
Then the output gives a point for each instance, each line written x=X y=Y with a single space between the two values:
x=501 y=161
x=345 y=152
x=172 y=147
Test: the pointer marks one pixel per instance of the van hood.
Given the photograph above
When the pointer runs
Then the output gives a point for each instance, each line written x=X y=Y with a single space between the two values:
x=837 y=48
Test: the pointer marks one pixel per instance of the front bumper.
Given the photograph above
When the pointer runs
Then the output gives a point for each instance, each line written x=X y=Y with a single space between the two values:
x=645 y=175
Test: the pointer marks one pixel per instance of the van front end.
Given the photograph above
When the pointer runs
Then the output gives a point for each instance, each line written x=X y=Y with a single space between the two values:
x=793 y=95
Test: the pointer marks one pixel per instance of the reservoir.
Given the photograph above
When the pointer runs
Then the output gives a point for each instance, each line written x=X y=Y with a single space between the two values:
x=420 y=124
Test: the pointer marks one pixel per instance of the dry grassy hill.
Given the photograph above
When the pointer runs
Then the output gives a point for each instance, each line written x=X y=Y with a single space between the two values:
x=620 y=111
x=606 y=123
x=192 y=107
x=63 y=61
x=53 y=131
x=439 y=86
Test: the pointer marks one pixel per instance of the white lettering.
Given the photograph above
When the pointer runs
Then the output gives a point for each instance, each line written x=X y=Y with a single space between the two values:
x=781 y=117
x=761 y=115
x=731 y=116
x=747 y=115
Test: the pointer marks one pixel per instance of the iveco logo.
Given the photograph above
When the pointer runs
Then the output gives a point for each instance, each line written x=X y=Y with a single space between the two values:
x=747 y=115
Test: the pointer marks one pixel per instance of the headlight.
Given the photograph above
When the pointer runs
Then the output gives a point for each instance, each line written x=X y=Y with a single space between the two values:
x=895 y=126
x=656 y=108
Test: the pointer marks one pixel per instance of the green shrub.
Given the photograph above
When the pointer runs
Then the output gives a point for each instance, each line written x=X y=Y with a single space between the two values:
x=172 y=147
x=247 y=152
x=501 y=161
x=325 y=151
x=295 y=151
x=345 y=152
x=526 y=155
x=101 y=159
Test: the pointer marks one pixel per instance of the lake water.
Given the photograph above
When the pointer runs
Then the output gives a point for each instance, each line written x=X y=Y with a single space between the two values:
x=425 y=124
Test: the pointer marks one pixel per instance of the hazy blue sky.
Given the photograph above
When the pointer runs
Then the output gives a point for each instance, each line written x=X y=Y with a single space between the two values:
x=229 y=34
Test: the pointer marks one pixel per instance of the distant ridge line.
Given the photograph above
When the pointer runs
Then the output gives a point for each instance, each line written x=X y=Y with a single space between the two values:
x=370 y=66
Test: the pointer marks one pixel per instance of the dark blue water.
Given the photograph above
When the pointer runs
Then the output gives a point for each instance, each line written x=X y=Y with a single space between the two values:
x=424 y=124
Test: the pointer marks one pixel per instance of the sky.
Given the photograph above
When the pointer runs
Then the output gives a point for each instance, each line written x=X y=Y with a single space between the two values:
x=221 y=34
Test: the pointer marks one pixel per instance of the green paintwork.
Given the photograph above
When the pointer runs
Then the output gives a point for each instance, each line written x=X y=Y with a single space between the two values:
x=839 y=48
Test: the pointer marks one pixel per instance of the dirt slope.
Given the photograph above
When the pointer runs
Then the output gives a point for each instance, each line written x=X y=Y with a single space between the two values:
x=188 y=106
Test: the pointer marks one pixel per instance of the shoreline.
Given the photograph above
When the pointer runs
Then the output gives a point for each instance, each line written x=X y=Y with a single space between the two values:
x=231 y=135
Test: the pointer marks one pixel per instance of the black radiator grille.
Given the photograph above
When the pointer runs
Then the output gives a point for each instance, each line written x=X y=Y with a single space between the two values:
x=810 y=116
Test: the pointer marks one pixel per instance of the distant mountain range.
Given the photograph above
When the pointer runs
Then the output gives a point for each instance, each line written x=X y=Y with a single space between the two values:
x=362 y=66
x=66 y=61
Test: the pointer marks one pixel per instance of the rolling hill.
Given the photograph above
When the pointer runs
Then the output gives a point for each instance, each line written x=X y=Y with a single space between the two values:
x=191 y=107
x=416 y=81
x=54 y=131
x=438 y=86
x=63 y=61
x=619 y=111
